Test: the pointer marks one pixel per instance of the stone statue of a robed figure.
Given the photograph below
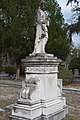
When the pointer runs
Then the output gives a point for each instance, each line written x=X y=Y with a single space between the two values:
x=41 y=29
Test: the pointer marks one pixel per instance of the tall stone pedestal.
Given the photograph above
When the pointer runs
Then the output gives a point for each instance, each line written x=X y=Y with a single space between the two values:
x=40 y=96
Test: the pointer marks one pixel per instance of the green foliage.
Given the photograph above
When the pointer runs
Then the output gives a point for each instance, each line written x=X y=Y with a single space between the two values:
x=18 y=18
x=8 y=69
x=75 y=63
x=58 y=43
x=12 y=69
x=2 y=69
x=65 y=75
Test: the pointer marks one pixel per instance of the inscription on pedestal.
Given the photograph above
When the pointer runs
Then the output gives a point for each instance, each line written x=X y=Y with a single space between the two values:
x=41 y=69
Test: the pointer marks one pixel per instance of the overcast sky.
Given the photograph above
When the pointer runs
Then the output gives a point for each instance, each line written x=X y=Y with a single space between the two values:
x=66 y=10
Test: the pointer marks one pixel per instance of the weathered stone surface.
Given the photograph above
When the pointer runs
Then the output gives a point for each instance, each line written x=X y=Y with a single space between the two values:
x=40 y=60
x=41 y=92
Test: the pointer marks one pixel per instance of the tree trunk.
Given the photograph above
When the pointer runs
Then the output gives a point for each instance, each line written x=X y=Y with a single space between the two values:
x=17 y=72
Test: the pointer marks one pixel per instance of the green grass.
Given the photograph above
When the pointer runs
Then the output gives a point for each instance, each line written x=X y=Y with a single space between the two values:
x=3 y=103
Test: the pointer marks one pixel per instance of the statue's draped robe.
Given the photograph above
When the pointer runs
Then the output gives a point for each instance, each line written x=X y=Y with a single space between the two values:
x=41 y=32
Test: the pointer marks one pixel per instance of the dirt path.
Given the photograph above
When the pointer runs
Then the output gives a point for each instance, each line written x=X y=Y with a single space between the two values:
x=73 y=102
x=8 y=95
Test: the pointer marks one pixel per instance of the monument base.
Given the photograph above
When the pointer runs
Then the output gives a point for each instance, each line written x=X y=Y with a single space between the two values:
x=51 y=110
x=59 y=115
x=41 y=93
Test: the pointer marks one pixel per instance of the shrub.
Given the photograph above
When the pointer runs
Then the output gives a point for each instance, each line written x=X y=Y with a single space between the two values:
x=65 y=75
x=10 y=69
x=2 y=69
x=75 y=64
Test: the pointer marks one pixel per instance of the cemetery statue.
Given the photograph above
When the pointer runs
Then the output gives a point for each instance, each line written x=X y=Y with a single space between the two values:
x=41 y=29
x=41 y=94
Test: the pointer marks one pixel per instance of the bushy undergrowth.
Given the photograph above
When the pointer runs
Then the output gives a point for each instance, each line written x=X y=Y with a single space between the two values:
x=65 y=75
x=12 y=69
x=8 y=69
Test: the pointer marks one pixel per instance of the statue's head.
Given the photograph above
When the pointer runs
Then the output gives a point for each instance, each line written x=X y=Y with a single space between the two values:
x=42 y=5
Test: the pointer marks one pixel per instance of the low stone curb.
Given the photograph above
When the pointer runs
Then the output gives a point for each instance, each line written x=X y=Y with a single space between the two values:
x=71 y=90
x=7 y=83
x=10 y=85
